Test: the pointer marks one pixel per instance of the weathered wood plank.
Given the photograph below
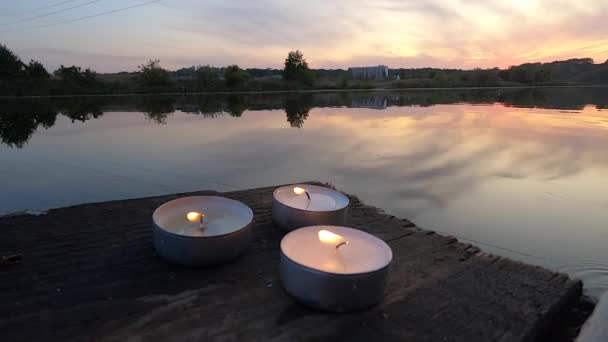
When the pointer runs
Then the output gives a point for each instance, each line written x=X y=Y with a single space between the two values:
x=90 y=272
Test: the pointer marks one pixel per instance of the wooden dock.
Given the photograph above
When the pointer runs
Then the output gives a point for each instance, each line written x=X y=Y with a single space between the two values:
x=89 y=272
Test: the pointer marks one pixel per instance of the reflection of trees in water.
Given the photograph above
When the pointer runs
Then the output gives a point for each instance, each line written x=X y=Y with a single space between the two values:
x=551 y=98
x=17 y=127
x=82 y=109
x=213 y=106
x=297 y=108
x=210 y=106
x=236 y=105
x=157 y=108
x=19 y=119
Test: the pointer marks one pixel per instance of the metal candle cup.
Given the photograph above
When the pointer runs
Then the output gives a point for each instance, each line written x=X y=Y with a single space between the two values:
x=201 y=230
x=302 y=205
x=344 y=272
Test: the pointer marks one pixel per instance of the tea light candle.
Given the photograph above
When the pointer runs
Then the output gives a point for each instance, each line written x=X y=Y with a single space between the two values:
x=201 y=230
x=334 y=268
x=303 y=205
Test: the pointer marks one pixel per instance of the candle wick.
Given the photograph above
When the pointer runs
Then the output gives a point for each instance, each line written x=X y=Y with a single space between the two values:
x=201 y=226
x=341 y=244
x=308 y=202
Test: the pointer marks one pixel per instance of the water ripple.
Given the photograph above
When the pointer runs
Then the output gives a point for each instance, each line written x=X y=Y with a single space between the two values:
x=593 y=273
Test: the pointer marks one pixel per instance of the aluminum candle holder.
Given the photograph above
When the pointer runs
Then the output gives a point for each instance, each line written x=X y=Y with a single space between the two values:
x=302 y=205
x=201 y=230
x=334 y=268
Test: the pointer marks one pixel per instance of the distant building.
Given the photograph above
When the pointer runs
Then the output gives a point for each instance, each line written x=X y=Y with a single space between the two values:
x=379 y=72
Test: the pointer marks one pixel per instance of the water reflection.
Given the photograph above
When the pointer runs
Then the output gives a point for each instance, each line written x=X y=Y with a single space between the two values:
x=19 y=119
x=236 y=105
x=18 y=124
x=82 y=110
x=372 y=101
x=523 y=170
x=297 y=108
x=156 y=108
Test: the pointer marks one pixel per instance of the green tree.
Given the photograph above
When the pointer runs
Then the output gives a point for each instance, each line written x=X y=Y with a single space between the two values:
x=542 y=75
x=67 y=73
x=484 y=77
x=35 y=70
x=296 y=68
x=76 y=76
x=11 y=65
x=74 y=80
x=505 y=74
x=153 y=74
x=207 y=77
x=581 y=60
x=343 y=82
x=440 y=78
x=235 y=76
x=522 y=73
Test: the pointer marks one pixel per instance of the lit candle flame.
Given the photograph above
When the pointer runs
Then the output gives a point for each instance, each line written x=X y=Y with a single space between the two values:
x=301 y=191
x=328 y=237
x=194 y=216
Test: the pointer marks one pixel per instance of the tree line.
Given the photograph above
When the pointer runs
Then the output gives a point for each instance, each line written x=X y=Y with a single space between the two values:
x=576 y=71
x=18 y=78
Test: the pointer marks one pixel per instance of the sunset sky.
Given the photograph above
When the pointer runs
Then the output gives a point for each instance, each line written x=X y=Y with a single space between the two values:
x=332 y=34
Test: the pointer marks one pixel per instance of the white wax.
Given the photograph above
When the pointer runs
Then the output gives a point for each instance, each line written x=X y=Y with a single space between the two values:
x=317 y=202
x=222 y=216
x=321 y=198
x=215 y=223
x=364 y=252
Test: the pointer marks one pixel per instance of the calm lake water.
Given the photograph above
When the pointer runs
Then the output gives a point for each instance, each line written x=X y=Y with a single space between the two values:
x=521 y=173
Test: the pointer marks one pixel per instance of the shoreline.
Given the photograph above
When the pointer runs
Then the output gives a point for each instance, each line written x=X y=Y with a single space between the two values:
x=328 y=90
